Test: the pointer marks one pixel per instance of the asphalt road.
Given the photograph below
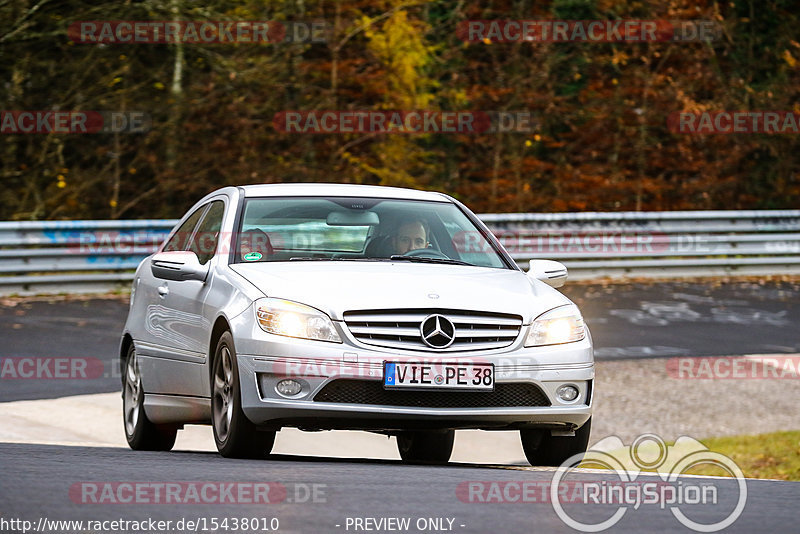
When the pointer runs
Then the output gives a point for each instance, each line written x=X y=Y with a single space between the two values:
x=311 y=494
x=626 y=320
x=61 y=329
x=320 y=494
x=690 y=319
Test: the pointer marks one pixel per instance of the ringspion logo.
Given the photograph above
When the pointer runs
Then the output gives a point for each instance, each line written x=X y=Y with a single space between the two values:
x=668 y=489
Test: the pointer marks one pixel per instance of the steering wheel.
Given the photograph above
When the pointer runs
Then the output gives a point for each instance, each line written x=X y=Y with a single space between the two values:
x=426 y=253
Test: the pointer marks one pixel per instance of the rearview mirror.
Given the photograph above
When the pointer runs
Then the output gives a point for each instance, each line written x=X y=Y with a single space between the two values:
x=178 y=265
x=353 y=218
x=550 y=272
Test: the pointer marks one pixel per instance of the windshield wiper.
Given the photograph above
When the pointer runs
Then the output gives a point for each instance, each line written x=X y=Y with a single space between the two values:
x=312 y=258
x=396 y=257
x=422 y=259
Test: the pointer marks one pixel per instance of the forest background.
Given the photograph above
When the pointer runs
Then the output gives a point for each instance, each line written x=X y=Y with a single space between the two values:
x=601 y=141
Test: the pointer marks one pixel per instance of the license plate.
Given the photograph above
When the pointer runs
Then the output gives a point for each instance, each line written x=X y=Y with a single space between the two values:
x=421 y=375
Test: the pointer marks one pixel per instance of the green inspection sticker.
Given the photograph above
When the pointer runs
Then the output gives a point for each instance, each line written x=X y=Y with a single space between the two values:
x=252 y=256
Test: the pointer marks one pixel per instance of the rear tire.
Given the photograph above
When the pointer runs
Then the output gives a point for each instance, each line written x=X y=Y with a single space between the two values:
x=542 y=448
x=141 y=434
x=235 y=435
x=426 y=447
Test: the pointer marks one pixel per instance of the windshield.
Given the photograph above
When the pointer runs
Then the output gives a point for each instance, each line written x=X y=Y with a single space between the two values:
x=360 y=229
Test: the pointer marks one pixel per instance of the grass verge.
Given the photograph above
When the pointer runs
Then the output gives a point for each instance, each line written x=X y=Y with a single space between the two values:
x=775 y=455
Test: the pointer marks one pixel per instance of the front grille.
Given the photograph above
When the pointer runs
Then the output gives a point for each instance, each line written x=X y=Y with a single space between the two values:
x=400 y=329
x=372 y=392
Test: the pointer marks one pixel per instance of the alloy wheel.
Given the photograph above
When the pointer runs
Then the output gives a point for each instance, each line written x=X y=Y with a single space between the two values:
x=223 y=394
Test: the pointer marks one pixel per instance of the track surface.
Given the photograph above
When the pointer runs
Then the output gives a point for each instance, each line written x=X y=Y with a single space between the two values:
x=626 y=320
x=38 y=478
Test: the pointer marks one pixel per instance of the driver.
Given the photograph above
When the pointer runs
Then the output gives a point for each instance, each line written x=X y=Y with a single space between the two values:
x=410 y=235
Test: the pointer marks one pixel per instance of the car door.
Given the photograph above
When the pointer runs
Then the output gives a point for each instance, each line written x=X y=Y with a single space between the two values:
x=177 y=317
x=152 y=337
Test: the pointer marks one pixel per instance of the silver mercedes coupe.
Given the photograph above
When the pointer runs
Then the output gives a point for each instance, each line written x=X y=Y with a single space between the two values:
x=328 y=306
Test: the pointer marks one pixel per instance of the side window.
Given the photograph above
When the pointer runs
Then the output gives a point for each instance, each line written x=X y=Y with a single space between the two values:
x=180 y=239
x=204 y=241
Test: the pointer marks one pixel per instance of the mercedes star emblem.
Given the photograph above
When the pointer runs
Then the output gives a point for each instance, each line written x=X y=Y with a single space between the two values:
x=437 y=331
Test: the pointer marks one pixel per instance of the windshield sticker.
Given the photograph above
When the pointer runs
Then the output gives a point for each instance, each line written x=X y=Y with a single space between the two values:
x=252 y=256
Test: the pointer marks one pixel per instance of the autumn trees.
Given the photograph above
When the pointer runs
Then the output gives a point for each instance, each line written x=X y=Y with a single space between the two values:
x=600 y=140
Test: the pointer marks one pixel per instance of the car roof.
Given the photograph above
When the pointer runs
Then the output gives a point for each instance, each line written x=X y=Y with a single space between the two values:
x=340 y=190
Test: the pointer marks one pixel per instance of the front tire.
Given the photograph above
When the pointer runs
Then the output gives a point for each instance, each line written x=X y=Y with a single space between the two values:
x=426 y=447
x=235 y=435
x=141 y=434
x=542 y=448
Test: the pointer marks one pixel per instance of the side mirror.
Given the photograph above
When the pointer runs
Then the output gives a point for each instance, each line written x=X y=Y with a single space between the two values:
x=550 y=272
x=178 y=265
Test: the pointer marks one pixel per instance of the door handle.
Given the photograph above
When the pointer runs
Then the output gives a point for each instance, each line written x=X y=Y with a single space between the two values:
x=163 y=291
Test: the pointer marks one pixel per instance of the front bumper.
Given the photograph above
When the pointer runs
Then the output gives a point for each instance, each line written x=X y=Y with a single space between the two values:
x=265 y=359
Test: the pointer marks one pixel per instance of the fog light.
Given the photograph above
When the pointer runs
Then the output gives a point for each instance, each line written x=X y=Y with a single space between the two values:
x=567 y=393
x=288 y=387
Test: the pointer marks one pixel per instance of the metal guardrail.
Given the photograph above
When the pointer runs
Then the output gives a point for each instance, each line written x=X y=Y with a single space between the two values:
x=75 y=256
x=597 y=245
x=91 y=256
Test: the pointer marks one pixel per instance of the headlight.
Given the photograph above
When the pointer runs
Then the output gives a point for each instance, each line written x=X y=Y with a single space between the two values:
x=560 y=325
x=287 y=318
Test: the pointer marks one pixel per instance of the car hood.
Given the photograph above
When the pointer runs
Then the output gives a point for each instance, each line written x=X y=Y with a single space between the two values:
x=337 y=287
